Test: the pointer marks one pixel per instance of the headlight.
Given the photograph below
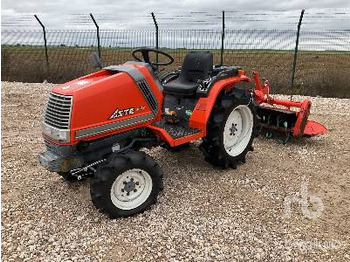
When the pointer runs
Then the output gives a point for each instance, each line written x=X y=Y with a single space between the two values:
x=56 y=134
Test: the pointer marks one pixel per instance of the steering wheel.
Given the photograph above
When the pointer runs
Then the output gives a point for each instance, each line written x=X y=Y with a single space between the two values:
x=145 y=51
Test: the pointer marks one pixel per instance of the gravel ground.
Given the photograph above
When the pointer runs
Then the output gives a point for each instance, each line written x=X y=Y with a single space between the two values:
x=204 y=214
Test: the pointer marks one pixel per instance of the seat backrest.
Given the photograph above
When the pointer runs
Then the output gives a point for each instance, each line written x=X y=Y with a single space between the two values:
x=196 y=65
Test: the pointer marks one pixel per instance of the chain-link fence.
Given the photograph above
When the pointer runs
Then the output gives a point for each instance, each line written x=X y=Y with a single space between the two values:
x=265 y=42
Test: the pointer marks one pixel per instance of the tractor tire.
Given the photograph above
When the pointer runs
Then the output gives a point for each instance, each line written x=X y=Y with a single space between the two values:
x=126 y=184
x=231 y=129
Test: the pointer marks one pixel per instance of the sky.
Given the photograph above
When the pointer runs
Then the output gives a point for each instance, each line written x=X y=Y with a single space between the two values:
x=321 y=19
x=111 y=6
x=170 y=13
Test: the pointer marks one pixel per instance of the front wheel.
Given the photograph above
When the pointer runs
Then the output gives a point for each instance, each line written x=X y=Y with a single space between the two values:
x=231 y=129
x=126 y=184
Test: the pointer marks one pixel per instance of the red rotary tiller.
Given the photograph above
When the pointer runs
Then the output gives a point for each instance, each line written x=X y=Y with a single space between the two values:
x=277 y=118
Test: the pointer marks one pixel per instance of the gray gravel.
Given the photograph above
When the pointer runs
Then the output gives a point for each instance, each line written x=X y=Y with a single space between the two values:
x=204 y=214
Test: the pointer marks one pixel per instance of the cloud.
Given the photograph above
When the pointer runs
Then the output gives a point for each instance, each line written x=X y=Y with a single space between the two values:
x=137 y=6
x=122 y=14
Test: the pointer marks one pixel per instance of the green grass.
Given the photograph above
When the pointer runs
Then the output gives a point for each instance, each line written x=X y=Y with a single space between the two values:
x=325 y=73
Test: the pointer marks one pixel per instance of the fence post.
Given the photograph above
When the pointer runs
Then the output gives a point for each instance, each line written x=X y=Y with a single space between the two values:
x=296 y=51
x=98 y=35
x=222 y=39
x=157 y=34
x=45 y=45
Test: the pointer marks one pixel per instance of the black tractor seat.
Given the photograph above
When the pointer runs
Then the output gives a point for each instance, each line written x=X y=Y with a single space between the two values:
x=196 y=66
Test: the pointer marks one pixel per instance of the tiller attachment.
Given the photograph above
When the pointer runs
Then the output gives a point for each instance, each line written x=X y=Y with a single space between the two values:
x=277 y=118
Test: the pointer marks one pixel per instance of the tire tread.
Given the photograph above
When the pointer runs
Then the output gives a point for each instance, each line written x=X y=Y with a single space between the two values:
x=212 y=146
x=116 y=164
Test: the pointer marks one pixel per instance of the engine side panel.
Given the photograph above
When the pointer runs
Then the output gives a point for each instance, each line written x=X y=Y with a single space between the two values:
x=152 y=80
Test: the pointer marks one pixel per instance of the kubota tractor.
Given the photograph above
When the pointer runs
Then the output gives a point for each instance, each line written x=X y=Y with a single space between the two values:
x=95 y=125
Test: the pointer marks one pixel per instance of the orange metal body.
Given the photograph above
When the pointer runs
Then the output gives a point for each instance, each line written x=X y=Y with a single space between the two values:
x=205 y=105
x=202 y=111
x=96 y=96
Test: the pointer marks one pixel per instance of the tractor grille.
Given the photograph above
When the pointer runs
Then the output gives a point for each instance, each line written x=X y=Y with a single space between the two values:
x=58 y=110
x=149 y=96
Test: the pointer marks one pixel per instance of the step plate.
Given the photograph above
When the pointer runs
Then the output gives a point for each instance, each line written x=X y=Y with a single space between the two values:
x=176 y=130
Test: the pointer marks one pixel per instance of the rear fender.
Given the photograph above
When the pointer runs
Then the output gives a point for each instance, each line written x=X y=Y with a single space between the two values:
x=204 y=106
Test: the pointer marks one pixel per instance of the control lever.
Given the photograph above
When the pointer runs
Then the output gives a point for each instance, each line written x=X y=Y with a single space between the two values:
x=204 y=84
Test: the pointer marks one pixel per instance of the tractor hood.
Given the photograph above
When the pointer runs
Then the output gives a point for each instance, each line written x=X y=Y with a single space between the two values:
x=82 y=83
x=111 y=100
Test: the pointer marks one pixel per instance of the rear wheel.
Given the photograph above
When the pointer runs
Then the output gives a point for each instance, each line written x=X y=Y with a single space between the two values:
x=126 y=184
x=230 y=130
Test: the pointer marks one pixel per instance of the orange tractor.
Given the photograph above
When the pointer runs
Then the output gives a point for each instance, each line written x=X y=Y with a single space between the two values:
x=95 y=125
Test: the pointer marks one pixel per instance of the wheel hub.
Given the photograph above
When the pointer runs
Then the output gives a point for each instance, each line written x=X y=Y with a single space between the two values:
x=233 y=129
x=238 y=130
x=129 y=186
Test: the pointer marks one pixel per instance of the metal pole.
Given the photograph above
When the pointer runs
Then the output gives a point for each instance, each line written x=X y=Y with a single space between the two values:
x=157 y=34
x=222 y=39
x=45 y=45
x=98 y=35
x=296 y=51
